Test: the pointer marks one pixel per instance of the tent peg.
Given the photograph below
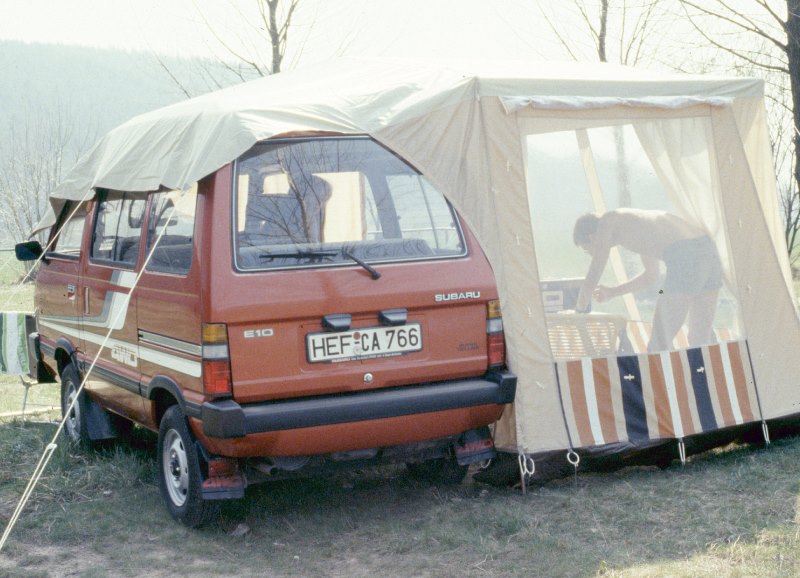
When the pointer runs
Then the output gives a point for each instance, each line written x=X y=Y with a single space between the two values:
x=682 y=451
x=765 y=429
x=527 y=467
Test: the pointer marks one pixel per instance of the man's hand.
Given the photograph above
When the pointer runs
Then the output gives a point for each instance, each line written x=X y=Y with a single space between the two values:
x=602 y=293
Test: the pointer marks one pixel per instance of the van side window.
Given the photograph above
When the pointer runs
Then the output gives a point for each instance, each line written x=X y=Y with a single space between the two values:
x=117 y=228
x=67 y=241
x=170 y=230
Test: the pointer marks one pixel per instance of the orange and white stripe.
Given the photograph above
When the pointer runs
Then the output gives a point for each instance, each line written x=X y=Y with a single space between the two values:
x=667 y=395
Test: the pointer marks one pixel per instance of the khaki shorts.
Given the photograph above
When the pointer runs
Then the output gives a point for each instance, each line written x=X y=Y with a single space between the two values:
x=693 y=266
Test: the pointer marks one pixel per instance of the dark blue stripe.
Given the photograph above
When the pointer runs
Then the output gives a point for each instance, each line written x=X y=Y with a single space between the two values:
x=630 y=376
x=705 y=408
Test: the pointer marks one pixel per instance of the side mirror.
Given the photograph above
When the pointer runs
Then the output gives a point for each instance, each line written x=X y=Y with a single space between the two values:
x=28 y=251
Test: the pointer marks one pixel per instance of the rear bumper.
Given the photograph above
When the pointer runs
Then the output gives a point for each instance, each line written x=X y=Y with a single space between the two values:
x=228 y=419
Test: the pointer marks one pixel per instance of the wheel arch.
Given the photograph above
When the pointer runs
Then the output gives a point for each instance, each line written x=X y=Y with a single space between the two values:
x=64 y=353
x=164 y=392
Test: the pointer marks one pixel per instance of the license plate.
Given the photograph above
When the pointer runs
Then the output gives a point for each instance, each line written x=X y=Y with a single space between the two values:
x=366 y=343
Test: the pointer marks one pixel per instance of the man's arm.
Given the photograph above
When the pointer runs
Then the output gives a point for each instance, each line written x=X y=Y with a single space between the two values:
x=643 y=280
x=601 y=249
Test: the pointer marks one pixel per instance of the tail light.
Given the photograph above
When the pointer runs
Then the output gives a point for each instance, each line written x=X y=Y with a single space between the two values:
x=495 y=337
x=216 y=360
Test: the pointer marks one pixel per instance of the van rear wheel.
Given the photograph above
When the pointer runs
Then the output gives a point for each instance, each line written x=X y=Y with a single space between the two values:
x=179 y=471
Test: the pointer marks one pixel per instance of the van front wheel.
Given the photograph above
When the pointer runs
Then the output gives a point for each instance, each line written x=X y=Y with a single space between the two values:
x=179 y=471
x=73 y=407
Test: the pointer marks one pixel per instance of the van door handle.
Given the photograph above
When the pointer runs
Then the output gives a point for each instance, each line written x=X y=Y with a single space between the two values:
x=86 y=301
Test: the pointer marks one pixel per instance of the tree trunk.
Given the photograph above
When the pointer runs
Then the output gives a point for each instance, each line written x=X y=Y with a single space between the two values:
x=601 y=37
x=274 y=36
x=793 y=57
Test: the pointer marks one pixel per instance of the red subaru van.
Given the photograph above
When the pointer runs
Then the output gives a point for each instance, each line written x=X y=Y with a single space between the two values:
x=314 y=304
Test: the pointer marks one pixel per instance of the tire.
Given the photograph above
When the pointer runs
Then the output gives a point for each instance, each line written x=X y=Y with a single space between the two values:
x=179 y=474
x=75 y=425
x=445 y=470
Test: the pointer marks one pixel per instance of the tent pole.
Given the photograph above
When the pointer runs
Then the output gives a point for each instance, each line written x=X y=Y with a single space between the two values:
x=572 y=455
x=764 y=426
x=593 y=181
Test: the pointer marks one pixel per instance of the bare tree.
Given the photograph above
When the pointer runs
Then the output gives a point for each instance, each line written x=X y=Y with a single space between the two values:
x=37 y=152
x=275 y=18
x=620 y=30
x=764 y=36
x=630 y=26
x=254 y=48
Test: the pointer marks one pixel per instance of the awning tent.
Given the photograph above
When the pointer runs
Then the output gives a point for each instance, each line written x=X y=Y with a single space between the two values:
x=522 y=150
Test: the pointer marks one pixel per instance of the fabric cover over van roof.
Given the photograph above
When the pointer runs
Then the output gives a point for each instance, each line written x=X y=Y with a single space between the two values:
x=469 y=127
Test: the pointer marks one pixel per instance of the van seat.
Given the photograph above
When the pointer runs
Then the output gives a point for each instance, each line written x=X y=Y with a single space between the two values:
x=128 y=250
x=171 y=255
x=411 y=248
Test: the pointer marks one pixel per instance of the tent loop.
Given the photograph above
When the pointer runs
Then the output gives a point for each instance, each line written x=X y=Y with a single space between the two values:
x=575 y=460
x=765 y=429
x=682 y=451
x=527 y=467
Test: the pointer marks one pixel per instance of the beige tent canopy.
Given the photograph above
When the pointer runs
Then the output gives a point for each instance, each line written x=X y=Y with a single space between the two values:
x=522 y=150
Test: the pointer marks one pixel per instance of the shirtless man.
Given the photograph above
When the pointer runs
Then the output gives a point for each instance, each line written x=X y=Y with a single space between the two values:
x=693 y=278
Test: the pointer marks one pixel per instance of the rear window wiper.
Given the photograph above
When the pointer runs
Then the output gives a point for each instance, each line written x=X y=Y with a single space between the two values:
x=298 y=254
x=315 y=254
x=370 y=269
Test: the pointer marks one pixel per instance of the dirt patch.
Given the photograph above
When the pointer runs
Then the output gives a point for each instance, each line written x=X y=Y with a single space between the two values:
x=48 y=560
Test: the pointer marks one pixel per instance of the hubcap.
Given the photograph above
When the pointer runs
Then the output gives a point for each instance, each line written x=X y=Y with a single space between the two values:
x=74 y=416
x=176 y=468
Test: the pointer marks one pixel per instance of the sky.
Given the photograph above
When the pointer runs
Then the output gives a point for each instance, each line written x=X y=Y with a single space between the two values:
x=164 y=26
x=321 y=29
x=521 y=29
x=495 y=28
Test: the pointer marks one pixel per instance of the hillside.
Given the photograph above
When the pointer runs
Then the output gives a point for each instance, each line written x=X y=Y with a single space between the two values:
x=83 y=92
x=97 y=87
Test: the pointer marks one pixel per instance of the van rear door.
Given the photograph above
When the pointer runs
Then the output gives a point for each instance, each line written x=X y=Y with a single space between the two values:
x=355 y=274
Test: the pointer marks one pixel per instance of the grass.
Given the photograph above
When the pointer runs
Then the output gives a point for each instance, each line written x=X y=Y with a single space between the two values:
x=13 y=296
x=731 y=512
x=40 y=397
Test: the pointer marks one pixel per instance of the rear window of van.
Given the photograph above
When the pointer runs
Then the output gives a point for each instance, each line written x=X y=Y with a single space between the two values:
x=325 y=201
